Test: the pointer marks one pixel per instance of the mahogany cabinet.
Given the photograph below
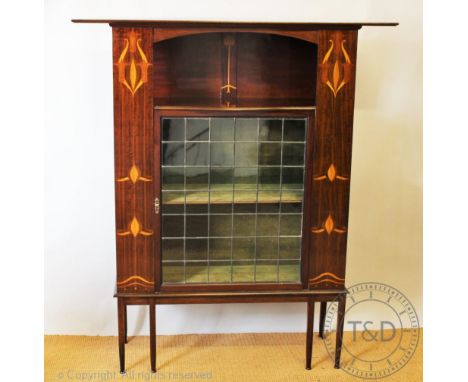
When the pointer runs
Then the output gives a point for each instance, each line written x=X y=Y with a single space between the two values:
x=232 y=164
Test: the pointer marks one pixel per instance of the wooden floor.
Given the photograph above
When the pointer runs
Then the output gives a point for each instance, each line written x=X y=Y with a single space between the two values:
x=214 y=357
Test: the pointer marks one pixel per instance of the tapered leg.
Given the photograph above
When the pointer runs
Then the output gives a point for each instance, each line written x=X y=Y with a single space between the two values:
x=126 y=325
x=323 y=310
x=310 y=332
x=121 y=321
x=152 y=309
x=339 y=330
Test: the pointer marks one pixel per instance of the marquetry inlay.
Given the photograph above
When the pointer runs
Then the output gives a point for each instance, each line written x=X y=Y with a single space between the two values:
x=328 y=227
x=326 y=277
x=135 y=229
x=135 y=281
x=228 y=41
x=341 y=69
x=331 y=175
x=134 y=176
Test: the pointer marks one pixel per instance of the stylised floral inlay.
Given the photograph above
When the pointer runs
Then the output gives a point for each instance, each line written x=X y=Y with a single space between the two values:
x=135 y=229
x=229 y=41
x=134 y=176
x=331 y=175
x=328 y=227
x=133 y=64
x=341 y=71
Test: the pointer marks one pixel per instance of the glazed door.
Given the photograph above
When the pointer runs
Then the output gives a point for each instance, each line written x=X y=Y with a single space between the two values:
x=231 y=200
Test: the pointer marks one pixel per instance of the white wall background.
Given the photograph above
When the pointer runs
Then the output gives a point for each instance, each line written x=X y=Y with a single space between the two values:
x=385 y=217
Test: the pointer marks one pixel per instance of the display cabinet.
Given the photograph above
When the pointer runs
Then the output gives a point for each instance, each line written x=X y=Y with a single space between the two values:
x=232 y=165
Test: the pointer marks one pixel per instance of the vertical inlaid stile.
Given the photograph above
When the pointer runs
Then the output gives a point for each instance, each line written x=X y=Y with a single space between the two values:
x=133 y=131
x=331 y=158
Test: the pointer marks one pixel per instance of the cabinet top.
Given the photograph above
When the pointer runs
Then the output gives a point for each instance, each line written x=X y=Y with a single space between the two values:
x=235 y=24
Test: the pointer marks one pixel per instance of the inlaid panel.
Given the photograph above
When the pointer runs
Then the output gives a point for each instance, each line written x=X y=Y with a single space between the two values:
x=331 y=159
x=133 y=117
x=232 y=199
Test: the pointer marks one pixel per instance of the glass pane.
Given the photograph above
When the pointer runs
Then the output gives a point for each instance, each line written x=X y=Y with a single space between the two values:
x=196 y=202
x=196 y=178
x=197 y=225
x=245 y=178
x=197 y=129
x=173 y=249
x=267 y=225
x=246 y=154
x=220 y=201
x=294 y=130
x=291 y=200
x=289 y=271
x=291 y=225
x=269 y=178
x=173 y=129
x=269 y=154
x=222 y=129
x=173 y=178
x=197 y=154
x=173 y=272
x=244 y=225
x=293 y=154
x=270 y=130
x=246 y=129
x=173 y=154
x=222 y=154
x=267 y=248
x=196 y=249
x=293 y=177
x=173 y=226
x=173 y=202
x=243 y=248
x=221 y=178
x=291 y=207
x=220 y=272
x=243 y=271
x=290 y=247
x=220 y=249
x=196 y=272
x=231 y=210
x=220 y=225
x=245 y=197
x=268 y=201
x=266 y=271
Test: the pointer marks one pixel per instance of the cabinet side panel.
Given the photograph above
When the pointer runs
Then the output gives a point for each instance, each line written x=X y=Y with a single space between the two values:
x=133 y=118
x=331 y=162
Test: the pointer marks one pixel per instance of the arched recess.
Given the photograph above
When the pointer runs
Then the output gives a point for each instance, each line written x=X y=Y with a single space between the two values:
x=231 y=68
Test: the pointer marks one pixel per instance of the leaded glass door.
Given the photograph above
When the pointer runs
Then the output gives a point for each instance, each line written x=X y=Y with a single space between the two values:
x=232 y=193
